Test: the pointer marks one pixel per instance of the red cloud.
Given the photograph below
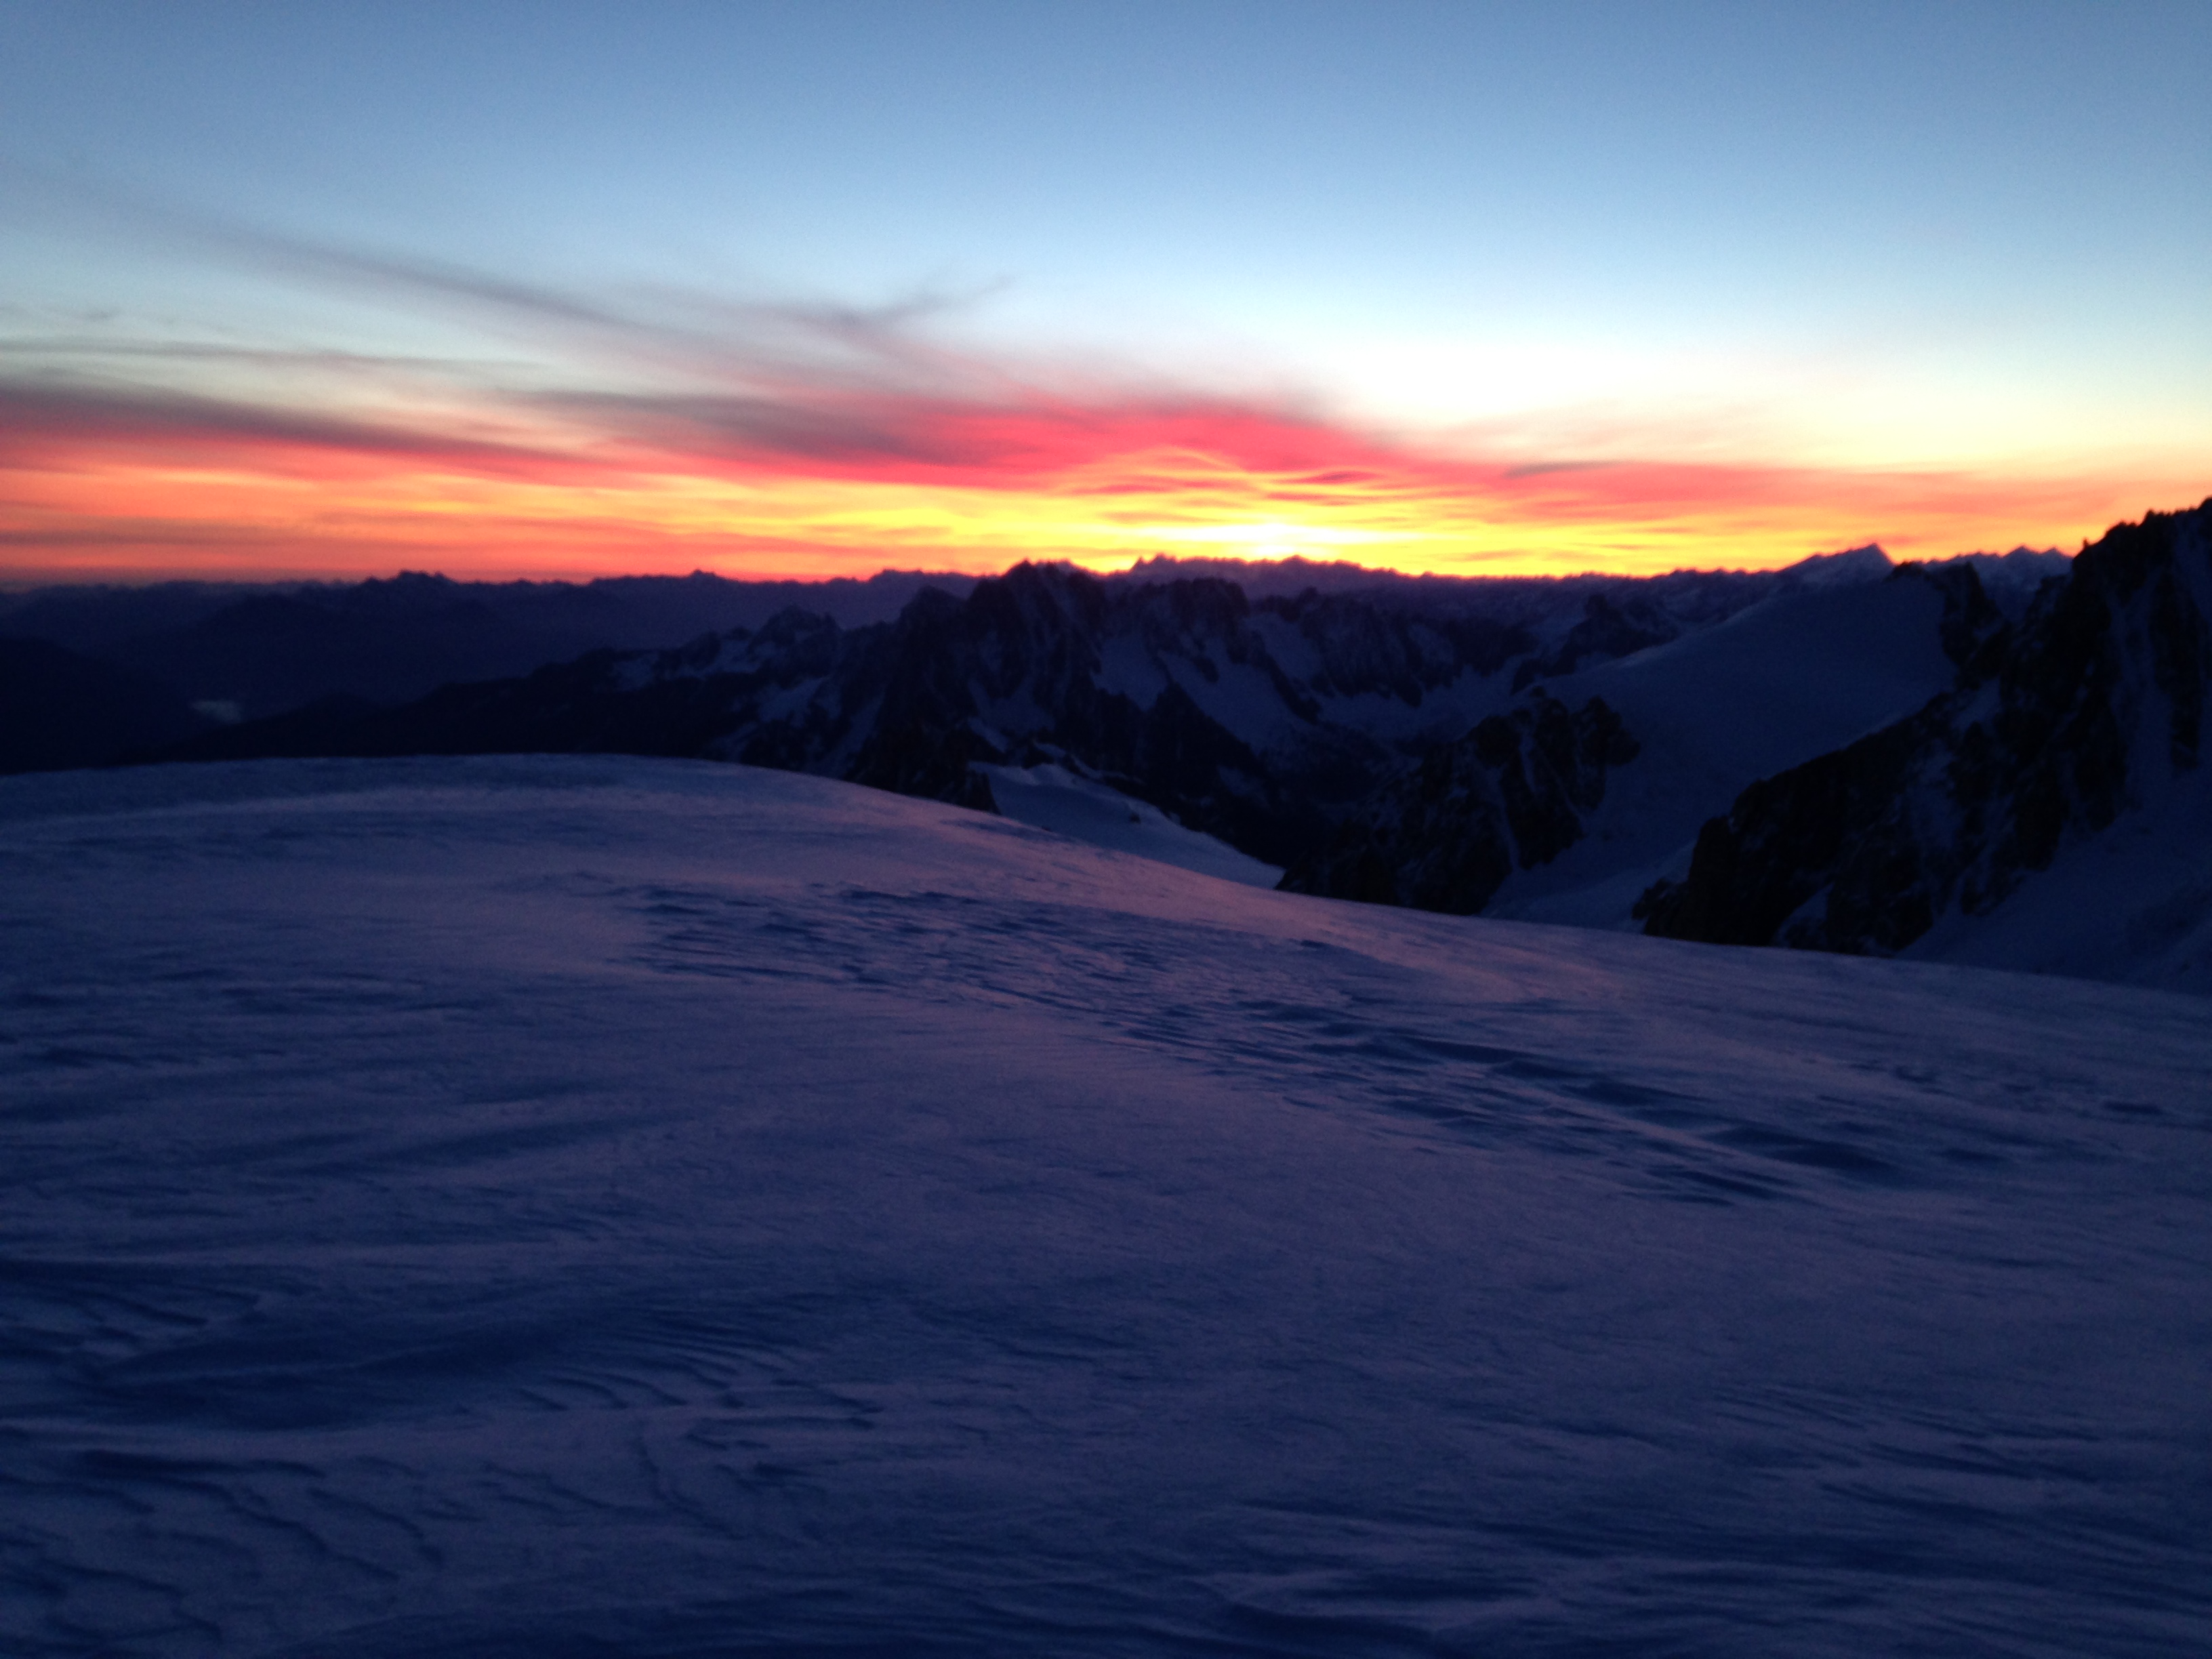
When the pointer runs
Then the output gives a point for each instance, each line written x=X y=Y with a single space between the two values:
x=794 y=477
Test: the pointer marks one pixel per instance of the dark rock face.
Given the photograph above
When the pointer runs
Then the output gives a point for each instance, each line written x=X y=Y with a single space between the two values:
x=1362 y=647
x=273 y=649
x=1972 y=630
x=1018 y=672
x=59 y=708
x=1785 y=838
x=1512 y=794
x=1607 y=629
x=1336 y=734
x=2055 y=729
x=1016 y=676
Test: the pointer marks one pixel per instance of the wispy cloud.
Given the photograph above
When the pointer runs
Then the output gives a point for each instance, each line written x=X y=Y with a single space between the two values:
x=600 y=429
x=54 y=428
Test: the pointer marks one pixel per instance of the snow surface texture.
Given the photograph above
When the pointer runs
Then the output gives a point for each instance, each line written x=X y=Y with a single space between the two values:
x=1053 y=797
x=526 y=1206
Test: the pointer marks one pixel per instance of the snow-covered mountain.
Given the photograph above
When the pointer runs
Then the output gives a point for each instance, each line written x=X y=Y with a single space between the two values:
x=1565 y=816
x=263 y=649
x=1266 y=725
x=1702 y=754
x=2049 y=810
x=2013 y=579
x=601 y=1206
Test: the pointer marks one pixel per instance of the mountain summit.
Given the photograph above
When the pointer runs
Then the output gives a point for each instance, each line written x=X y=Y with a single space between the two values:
x=2075 y=733
x=1848 y=754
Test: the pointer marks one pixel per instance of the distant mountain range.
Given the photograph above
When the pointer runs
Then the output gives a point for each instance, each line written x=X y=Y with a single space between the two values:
x=220 y=653
x=1266 y=724
x=1847 y=754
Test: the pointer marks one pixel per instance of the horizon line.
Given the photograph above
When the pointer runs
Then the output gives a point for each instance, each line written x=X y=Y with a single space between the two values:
x=1204 y=564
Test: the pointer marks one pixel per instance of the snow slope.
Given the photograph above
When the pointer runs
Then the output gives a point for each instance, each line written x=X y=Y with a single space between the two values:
x=599 y=1206
x=1050 y=797
x=2133 y=904
x=1795 y=676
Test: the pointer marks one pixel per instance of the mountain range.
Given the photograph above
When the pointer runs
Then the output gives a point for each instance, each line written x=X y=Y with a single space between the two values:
x=1848 y=754
x=2048 y=809
x=217 y=653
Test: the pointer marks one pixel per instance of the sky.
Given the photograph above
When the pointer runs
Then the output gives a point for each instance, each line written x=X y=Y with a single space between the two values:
x=821 y=288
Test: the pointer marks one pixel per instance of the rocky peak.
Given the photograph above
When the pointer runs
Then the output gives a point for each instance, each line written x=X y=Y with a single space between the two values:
x=2087 y=711
x=1854 y=564
x=1974 y=630
x=1513 y=793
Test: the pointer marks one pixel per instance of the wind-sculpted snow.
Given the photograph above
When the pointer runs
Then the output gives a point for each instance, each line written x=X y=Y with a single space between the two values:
x=607 y=1205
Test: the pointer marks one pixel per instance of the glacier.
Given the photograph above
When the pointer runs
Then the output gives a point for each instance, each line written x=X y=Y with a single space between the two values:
x=595 y=1205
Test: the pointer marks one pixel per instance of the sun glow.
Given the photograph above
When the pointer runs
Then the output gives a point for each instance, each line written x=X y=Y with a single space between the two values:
x=850 y=486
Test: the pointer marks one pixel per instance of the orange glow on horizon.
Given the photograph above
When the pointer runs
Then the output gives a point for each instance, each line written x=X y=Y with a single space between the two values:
x=89 y=491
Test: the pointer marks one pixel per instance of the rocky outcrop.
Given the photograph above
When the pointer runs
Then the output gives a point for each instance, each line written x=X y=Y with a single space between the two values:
x=270 y=649
x=1513 y=793
x=60 y=708
x=2090 y=708
x=1018 y=674
x=1370 y=742
x=1361 y=647
x=1170 y=693
x=1607 y=631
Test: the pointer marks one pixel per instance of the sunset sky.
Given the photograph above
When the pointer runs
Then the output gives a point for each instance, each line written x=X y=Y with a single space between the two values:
x=812 y=289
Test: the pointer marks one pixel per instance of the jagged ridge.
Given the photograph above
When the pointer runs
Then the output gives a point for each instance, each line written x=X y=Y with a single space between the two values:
x=1265 y=724
x=2092 y=707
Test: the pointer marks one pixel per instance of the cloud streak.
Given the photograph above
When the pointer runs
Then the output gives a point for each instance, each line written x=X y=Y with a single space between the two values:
x=57 y=428
x=836 y=481
x=646 y=431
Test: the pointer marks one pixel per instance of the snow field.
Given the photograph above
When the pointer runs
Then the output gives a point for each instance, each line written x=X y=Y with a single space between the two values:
x=552 y=1206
